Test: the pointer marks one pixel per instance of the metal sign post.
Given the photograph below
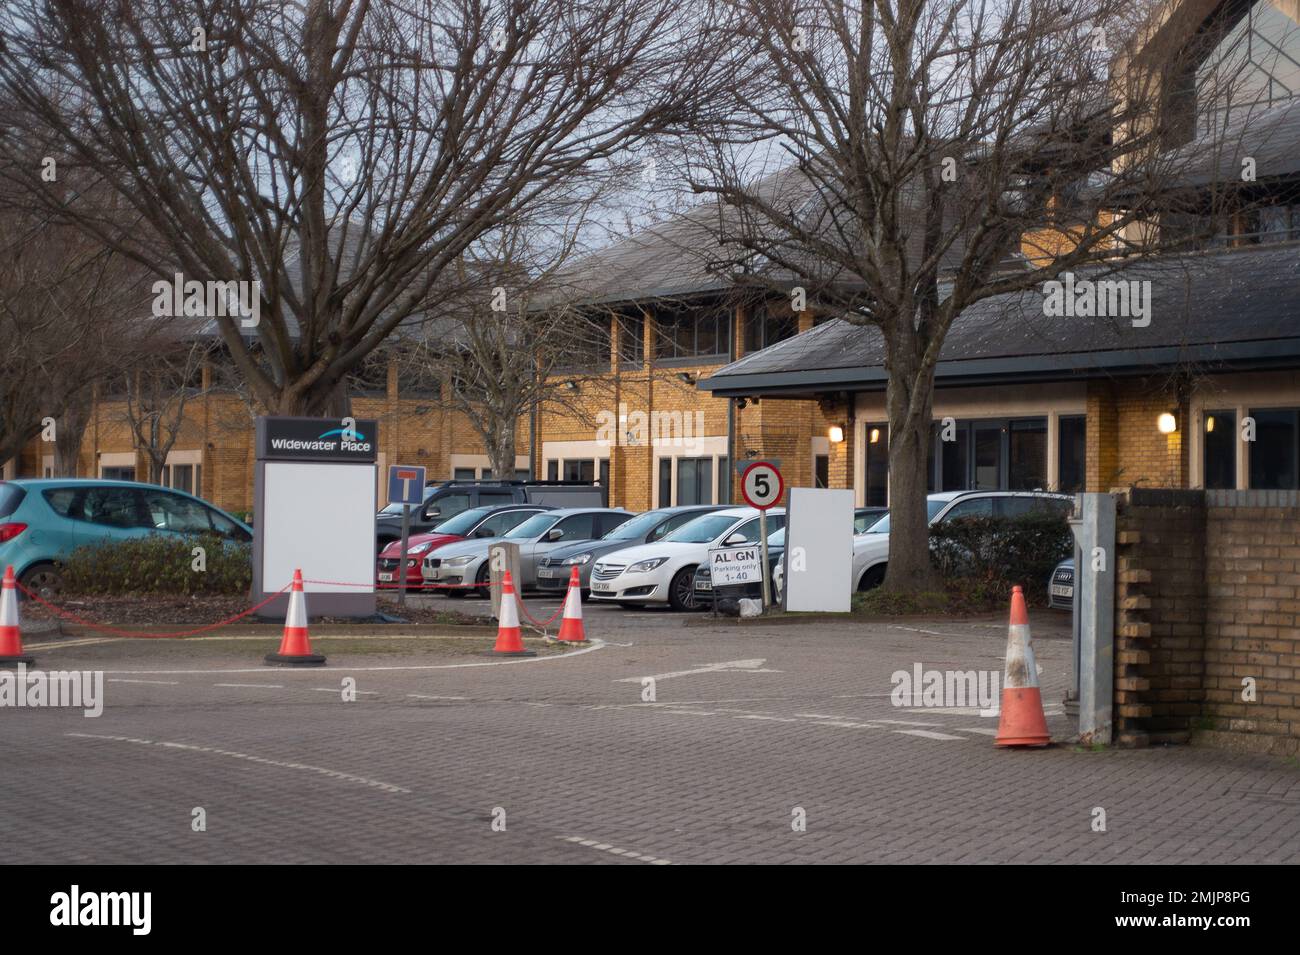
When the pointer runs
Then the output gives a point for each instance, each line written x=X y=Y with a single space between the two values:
x=405 y=486
x=761 y=486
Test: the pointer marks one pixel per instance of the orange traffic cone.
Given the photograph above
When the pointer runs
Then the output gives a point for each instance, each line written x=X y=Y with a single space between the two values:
x=11 y=638
x=295 y=645
x=1022 y=722
x=510 y=642
x=571 y=626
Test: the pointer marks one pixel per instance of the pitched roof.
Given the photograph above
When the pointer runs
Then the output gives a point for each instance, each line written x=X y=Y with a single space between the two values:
x=1224 y=309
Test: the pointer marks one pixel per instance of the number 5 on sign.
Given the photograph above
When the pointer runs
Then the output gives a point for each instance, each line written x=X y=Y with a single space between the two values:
x=761 y=485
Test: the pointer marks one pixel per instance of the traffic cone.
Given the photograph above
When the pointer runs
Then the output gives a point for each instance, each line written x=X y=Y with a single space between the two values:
x=510 y=643
x=1021 y=722
x=295 y=645
x=571 y=626
x=11 y=638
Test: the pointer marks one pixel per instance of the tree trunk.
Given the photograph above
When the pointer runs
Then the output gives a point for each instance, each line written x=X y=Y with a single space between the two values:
x=909 y=401
x=501 y=452
x=67 y=439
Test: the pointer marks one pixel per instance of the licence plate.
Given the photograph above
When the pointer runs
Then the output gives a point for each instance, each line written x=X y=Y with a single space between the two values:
x=603 y=588
x=545 y=572
x=704 y=585
x=432 y=574
x=385 y=578
x=1062 y=590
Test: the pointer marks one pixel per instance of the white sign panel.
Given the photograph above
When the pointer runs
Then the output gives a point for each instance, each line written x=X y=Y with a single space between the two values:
x=736 y=565
x=819 y=550
x=320 y=518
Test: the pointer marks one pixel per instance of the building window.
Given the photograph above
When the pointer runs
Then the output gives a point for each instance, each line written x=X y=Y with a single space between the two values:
x=821 y=470
x=1275 y=452
x=578 y=469
x=631 y=338
x=665 y=482
x=117 y=474
x=695 y=480
x=1219 y=456
x=462 y=474
x=1027 y=455
x=182 y=477
x=724 y=480
x=692 y=332
x=552 y=470
x=997 y=455
x=769 y=323
x=1252 y=63
x=876 y=492
x=1072 y=453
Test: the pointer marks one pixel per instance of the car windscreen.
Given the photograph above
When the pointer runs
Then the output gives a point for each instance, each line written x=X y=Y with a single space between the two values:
x=636 y=528
x=462 y=523
x=932 y=507
x=535 y=526
x=776 y=539
x=701 y=530
x=11 y=495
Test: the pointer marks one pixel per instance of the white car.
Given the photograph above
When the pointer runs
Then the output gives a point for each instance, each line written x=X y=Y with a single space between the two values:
x=871 y=550
x=664 y=572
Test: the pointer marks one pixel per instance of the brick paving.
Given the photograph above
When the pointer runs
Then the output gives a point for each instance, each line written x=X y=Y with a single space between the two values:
x=585 y=771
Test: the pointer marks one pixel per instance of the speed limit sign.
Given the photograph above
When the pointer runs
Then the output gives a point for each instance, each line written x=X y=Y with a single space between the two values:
x=761 y=485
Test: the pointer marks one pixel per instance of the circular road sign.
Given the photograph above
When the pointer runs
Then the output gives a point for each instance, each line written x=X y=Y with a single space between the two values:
x=761 y=485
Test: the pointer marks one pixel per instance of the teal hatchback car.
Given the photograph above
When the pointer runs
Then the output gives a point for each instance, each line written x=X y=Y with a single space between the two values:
x=42 y=521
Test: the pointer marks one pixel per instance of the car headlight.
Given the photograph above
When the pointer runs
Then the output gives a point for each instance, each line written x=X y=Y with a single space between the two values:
x=418 y=548
x=458 y=561
x=641 y=566
x=577 y=559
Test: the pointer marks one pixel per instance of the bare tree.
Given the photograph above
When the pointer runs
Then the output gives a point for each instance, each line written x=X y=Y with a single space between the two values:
x=68 y=319
x=156 y=397
x=344 y=155
x=896 y=163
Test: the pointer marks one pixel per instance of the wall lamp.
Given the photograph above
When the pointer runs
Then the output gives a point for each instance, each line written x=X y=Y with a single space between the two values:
x=571 y=385
x=686 y=377
x=836 y=434
x=1167 y=423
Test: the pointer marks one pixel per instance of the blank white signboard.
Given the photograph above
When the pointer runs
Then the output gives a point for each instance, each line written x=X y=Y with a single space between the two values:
x=320 y=518
x=819 y=537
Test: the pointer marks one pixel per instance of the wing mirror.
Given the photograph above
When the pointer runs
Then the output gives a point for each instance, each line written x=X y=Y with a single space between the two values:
x=432 y=512
x=554 y=534
x=734 y=540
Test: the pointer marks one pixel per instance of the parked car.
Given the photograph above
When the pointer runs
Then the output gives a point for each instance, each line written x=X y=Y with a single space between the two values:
x=554 y=568
x=446 y=499
x=871 y=556
x=864 y=517
x=458 y=569
x=42 y=521
x=477 y=522
x=664 y=572
x=703 y=582
x=1060 y=588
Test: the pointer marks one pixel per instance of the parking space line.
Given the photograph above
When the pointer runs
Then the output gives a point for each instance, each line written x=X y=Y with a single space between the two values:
x=253 y=686
x=157 y=682
x=982 y=730
x=614 y=850
x=928 y=735
x=338 y=689
x=426 y=696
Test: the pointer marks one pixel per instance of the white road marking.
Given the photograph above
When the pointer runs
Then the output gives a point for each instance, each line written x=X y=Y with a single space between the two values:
x=614 y=850
x=774 y=719
x=982 y=730
x=304 y=767
x=928 y=735
x=750 y=666
x=596 y=644
x=426 y=696
x=55 y=645
x=158 y=682
x=253 y=686
x=339 y=689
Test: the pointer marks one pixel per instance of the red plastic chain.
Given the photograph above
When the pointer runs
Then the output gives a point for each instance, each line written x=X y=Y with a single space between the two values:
x=518 y=599
x=141 y=634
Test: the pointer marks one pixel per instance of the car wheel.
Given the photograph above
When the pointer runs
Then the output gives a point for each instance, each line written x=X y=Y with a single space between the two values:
x=681 y=592
x=45 y=580
x=482 y=580
x=873 y=578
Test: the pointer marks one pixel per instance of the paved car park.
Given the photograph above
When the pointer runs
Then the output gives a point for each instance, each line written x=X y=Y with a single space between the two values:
x=457 y=757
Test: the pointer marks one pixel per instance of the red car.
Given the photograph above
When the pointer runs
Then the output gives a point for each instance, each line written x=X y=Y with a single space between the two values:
x=475 y=522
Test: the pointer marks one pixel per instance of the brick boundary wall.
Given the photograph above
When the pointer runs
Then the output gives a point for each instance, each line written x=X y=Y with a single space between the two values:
x=1208 y=594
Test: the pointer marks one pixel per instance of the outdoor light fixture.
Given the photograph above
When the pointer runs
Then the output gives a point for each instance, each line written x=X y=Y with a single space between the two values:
x=875 y=435
x=1167 y=423
x=686 y=377
x=1209 y=423
x=836 y=434
x=571 y=385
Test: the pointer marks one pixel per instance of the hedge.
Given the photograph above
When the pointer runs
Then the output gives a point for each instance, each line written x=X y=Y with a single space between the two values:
x=159 y=564
x=996 y=553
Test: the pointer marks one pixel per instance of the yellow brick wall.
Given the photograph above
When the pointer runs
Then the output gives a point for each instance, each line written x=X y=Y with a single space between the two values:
x=1125 y=446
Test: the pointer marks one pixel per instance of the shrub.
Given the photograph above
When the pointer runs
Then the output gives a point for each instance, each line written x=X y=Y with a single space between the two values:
x=989 y=555
x=159 y=564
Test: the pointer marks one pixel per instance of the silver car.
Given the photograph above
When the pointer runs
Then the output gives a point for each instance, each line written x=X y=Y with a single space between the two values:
x=461 y=568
